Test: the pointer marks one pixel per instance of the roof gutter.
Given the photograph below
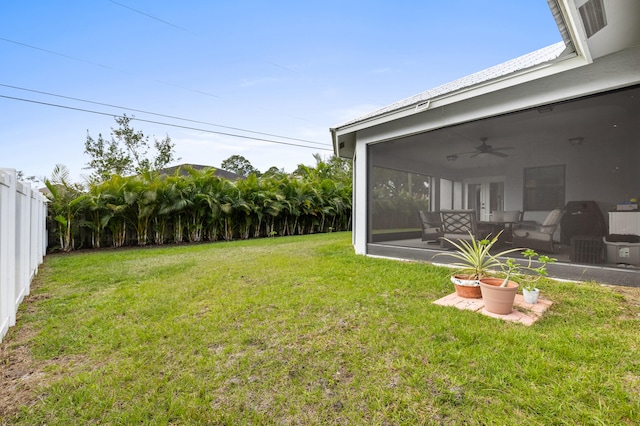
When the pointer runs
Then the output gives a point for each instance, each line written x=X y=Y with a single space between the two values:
x=570 y=25
x=568 y=62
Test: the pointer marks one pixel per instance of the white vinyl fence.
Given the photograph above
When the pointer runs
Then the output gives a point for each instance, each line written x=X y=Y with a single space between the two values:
x=23 y=243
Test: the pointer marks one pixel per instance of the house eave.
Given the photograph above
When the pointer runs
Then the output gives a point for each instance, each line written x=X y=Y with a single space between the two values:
x=561 y=64
x=576 y=54
x=573 y=28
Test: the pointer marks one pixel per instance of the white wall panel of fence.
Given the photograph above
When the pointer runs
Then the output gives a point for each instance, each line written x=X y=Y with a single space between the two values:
x=23 y=243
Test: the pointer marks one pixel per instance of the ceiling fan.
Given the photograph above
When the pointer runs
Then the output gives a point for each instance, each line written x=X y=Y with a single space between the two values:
x=485 y=148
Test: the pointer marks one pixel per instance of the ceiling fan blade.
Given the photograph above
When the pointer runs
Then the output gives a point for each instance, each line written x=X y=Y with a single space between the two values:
x=485 y=148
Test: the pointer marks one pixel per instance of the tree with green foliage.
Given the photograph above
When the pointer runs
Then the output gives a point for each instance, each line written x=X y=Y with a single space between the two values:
x=153 y=208
x=171 y=203
x=240 y=165
x=95 y=208
x=273 y=171
x=117 y=209
x=141 y=196
x=334 y=168
x=127 y=152
x=22 y=177
x=66 y=202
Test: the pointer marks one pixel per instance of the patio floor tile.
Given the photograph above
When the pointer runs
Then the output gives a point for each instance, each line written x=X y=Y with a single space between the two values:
x=527 y=315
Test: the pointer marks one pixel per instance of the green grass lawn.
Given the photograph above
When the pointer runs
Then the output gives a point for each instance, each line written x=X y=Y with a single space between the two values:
x=299 y=330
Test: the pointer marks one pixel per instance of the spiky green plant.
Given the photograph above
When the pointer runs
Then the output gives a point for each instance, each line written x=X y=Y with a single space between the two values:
x=474 y=255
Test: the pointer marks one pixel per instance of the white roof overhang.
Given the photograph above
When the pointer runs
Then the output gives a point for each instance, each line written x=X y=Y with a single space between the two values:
x=573 y=52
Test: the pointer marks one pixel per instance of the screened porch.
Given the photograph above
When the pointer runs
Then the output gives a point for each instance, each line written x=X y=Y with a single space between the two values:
x=580 y=156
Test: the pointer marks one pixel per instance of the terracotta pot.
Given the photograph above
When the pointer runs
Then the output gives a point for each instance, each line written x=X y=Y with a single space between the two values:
x=498 y=300
x=531 y=296
x=465 y=287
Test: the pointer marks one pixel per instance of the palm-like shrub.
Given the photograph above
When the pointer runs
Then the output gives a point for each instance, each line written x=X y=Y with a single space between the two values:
x=152 y=208
x=66 y=204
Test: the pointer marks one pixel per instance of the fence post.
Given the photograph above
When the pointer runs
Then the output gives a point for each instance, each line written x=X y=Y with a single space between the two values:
x=36 y=233
x=23 y=236
x=7 y=249
x=23 y=243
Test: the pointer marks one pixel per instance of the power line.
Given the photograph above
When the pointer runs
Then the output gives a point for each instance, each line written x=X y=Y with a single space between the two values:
x=55 y=53
x=147 y=15
x=102 y=66
x=115 y=69
x=160 y=115
x=51 y=52
x=164 y=124
x=184 y=29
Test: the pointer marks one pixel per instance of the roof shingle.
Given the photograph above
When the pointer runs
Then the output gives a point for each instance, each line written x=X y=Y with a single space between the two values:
x=529 y=60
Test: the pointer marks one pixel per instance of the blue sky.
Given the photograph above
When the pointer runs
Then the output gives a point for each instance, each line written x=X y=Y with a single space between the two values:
x=286 y=68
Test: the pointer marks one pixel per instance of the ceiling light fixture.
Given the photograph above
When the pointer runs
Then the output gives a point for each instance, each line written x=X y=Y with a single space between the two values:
x=576 y=141
x=452 y=157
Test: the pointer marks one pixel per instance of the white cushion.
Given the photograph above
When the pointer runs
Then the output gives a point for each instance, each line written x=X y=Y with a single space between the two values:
x=553 y=218
x=532 y=235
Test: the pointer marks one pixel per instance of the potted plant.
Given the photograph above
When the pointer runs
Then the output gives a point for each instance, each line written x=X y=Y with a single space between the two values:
x=474 y=262
x=531 y=275
x=499 y=293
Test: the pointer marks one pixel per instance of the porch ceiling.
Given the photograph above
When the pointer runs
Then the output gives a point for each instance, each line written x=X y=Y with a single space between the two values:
x=610 y=119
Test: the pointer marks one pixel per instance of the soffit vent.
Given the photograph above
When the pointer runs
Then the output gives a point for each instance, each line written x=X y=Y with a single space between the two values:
x=593 y=17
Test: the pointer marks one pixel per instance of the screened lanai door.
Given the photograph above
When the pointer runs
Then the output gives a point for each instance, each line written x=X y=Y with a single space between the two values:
x=485 y=196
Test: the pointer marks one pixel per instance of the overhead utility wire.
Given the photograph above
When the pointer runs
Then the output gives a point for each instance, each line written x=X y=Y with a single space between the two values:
x=164 y=124
x=103 y=66
x=184 y=29
x=55 y=53
x=160 y=115
x=115 y=69
x=147 y=15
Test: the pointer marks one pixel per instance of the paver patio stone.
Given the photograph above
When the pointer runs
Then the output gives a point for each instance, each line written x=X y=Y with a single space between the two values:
x=527 y=315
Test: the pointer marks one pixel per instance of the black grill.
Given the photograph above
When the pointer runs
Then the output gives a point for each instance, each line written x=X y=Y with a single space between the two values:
x=587 y=249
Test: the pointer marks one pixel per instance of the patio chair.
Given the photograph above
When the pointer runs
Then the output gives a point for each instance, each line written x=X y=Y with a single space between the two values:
x=540 y=238
x=431 y=225
x=512 y=216
x=508 y=219
x=458 y=225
